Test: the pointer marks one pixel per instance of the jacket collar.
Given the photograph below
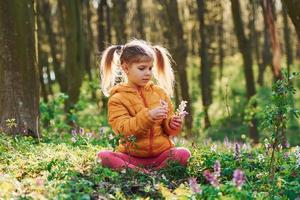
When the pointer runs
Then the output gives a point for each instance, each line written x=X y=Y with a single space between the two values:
x=124 y=87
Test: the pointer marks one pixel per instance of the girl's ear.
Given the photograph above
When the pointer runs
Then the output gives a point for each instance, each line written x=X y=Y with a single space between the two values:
x=125 y=67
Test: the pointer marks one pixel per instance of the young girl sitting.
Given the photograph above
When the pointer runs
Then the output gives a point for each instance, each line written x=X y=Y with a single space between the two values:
x=140 y=111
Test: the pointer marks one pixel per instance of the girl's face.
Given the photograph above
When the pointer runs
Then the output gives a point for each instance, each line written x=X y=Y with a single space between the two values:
x=139 y=73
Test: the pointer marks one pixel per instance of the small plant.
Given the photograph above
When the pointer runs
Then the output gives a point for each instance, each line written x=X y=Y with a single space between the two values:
x=11 y=123
x=276 y=116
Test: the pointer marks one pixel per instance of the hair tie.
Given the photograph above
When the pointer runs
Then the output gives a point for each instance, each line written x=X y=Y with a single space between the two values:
x=120 y=49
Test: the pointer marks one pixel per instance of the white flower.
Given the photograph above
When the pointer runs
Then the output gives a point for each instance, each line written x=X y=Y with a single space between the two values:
x=213 y=148
x=246 y=147
x=297 y=154
x=73 y=139
x=267 y=144
x=261 y=158
x=89 y=134
x=110 y=136
x=180 y=110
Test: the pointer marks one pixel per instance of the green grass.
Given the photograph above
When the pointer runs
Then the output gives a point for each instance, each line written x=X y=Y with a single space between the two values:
x=65 y=170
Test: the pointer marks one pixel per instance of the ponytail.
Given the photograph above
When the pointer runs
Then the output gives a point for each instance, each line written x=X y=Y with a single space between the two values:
x=162 y=70
x=109 y=68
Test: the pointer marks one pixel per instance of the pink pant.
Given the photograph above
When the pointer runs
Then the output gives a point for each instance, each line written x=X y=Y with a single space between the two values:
x=118 y=161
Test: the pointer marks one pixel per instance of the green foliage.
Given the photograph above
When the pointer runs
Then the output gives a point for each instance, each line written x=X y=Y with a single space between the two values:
x=52 y=113
x=46 y=170
x=276 y=116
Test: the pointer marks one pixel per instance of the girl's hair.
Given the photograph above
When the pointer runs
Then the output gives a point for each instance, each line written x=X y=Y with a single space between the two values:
x=133 y=52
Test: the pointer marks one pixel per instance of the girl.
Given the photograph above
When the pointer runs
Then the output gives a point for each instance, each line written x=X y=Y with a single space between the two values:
x=138 y=110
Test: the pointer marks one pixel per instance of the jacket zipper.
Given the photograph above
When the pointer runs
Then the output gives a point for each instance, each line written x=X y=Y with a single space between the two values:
x=151 y=130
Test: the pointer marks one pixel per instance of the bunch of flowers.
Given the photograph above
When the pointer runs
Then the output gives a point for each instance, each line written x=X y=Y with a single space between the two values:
x=180 y=111
x=212 y=177
x=194 y=185
x=80 y=133
x=238 y=178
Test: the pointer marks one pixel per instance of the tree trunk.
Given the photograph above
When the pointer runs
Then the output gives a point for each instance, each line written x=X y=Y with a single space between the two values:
x=179 y=52
x=88 y=45
x=141 y=19
x=266 y=53
x=245 y=48
x=41 y=59
x=19 y=79
x=220 y=42
x=45 y=11
x=101 y=25
x=108 y=24
x=74 y=61
x=293 y=9
x=205 y=74
x=119 y=19
x=276 y=68
x=287 y=41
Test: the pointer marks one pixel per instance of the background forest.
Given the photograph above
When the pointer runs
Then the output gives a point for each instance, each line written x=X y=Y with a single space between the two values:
x=236 y=63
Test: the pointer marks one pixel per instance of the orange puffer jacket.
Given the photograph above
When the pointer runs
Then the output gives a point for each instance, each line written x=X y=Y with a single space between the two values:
x=128 y=113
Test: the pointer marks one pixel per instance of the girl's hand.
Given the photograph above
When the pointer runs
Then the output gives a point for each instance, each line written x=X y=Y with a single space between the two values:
x=158 y=113
x=175 y=122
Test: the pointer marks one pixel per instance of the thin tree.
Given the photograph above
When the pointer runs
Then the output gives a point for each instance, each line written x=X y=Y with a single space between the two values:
x=42 y=59
x=45 y=15
x=293 y=8
x=287 y=40
x=140 y=19
x=88 y=43
x=205 y=74
x=74 y=57
x=245 y=49
x=119 y=10
x=19 y=78
x=268 y=10
x=101 y=25
x=221 y=39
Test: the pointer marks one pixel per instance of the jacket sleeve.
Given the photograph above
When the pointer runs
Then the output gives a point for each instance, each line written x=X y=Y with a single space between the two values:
x=123 y=123
x=167 y=129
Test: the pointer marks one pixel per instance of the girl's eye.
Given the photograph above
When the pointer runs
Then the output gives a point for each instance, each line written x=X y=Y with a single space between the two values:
x=141 y=69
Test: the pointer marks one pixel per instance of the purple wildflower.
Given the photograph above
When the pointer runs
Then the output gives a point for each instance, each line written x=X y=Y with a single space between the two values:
x=81 y=131
x=286 y=155
x=297 y=154
x=194 y=185
x=101 y=130
x=39 y=181
x=217 y=168
x=227 y=143
x=238 y=178
x=237 y=151
x=74 y=132
x=211 y=178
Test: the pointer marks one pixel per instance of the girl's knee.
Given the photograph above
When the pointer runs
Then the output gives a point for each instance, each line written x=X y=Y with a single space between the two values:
x=182 y=155
x=104 y=154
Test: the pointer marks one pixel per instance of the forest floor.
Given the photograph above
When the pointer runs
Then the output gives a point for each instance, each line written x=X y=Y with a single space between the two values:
x=59 y=167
